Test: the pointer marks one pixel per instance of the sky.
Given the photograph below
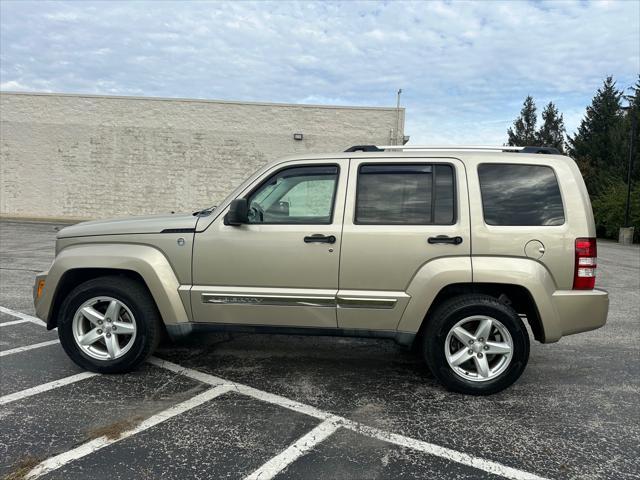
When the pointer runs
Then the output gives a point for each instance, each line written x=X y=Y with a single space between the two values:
x=464 y=67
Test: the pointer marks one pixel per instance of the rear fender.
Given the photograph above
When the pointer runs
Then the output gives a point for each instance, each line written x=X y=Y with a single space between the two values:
x=432 y=277
x=527 y=273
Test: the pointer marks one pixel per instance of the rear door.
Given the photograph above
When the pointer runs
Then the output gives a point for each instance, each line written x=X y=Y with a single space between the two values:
x=400 y=214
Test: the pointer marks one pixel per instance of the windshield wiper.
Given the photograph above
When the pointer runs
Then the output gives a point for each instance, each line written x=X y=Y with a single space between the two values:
x=204 y=212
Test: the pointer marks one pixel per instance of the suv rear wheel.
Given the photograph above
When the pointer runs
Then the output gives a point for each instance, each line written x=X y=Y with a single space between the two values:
x=109 y=325
x=476 y=344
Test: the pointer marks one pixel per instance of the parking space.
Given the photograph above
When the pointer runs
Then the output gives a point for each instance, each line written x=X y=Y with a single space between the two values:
x=21 y=333
x=272 y=406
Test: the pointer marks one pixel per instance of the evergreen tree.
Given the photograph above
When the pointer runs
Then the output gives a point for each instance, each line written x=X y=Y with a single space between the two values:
x=598 y=146
x=552 y=131
x=524 y=127
x=634 y=103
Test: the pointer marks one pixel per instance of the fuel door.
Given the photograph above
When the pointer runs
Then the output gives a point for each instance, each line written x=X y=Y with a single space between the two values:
x=534 y=249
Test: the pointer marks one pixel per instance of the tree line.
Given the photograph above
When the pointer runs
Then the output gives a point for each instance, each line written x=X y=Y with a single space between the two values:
x=600 y=147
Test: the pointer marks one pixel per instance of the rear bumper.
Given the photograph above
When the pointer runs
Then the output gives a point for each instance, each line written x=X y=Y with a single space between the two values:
x=577 y=311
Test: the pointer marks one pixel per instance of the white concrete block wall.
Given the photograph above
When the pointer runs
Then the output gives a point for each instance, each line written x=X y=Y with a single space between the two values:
x=78 y=156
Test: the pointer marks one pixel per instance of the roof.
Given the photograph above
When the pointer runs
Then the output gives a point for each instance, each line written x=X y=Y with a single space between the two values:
x=464 y=155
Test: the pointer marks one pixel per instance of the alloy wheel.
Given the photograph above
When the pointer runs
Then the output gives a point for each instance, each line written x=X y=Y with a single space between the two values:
x=478 y=348
x=104 y=328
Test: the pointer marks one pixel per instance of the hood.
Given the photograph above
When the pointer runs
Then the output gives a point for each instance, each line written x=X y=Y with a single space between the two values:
x=182 y=222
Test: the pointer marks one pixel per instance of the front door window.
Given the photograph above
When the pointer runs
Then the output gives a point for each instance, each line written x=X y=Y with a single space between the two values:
x=298 y=195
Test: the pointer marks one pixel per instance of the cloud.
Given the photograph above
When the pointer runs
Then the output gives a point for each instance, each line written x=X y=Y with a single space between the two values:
x=14 y=86
x=464 y=67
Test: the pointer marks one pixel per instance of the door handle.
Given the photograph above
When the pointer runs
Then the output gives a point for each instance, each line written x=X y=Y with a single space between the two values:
x=445 y=239
x=320 y=238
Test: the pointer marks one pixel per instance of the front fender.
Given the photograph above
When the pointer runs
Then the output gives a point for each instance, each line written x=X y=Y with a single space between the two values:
x=144 y=260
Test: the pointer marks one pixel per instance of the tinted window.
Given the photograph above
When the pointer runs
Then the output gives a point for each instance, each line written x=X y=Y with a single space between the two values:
x=443 y=212
x=302 y=195
x=416 y=194
x=520 y=195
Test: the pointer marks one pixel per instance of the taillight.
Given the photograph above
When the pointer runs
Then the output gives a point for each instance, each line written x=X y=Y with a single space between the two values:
x=584 y=276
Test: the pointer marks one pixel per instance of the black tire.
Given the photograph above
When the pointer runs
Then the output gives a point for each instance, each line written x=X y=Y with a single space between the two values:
x=137 y=298
x=444 y=319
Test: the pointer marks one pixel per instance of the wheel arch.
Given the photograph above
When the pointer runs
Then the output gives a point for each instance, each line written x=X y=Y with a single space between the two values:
x=73 y=277
x=517 y=297
x=145 y=264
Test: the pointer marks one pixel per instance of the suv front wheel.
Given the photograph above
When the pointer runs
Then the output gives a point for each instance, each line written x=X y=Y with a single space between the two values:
x=476 y=344
x=109 y=325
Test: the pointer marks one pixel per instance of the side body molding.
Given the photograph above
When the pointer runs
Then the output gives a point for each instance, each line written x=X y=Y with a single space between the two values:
x=432 y=277
x=146 y=261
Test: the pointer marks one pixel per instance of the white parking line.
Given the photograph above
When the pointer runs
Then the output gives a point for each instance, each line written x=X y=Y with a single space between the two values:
x=301 y=446
x=244 y=389
x=488 y=466
x=45 y=387
x=442 y=452
x=28 y=347
x=85 y=449
x=275 y=465
x=22 y=316
x=14 y=322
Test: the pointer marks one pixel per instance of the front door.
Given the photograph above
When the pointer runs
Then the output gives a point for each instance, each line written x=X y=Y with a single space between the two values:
x=401 y=214
x=280 y=269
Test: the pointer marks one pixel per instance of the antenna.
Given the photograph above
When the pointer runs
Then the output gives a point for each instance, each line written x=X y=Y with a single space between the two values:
x=397 y=135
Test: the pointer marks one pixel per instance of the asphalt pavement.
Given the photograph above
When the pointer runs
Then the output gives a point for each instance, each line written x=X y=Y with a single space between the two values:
x=291 y=407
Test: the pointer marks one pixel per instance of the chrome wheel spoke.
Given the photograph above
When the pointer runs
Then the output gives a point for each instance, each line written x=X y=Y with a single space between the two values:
x=113 y=311
x=90 y=337
x=113 y=347
x=460 y=357
x=463 y=335
x=124 y=328
x=482 y=366
x=104 y=336
x=490 y=347
x=484 y=329
x=499 y=348
x=92 y=315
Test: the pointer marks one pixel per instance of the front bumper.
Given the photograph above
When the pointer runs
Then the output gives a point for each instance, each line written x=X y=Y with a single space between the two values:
x=37 y=299
x=578 y=311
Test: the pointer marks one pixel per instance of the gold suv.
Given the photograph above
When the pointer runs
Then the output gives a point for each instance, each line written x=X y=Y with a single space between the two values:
x=451 y=249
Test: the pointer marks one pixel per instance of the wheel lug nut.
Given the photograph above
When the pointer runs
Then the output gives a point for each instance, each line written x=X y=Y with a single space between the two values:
x=108 y=335
x=486 y=347
x=470 y=352
x=479 y=355
x=99 y=331
x=470 y=342
x=481 y=339
x=99 y=322
x=114 y=329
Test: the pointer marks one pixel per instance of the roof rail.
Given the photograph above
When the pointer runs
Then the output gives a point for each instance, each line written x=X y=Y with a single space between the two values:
x=364 y=148
x=544 y=150
x=449 y=148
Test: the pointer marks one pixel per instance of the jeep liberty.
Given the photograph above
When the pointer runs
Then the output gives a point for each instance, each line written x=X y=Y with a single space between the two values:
x=450 y=249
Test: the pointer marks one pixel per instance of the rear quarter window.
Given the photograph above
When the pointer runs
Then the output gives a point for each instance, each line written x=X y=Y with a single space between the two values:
x=520 y=195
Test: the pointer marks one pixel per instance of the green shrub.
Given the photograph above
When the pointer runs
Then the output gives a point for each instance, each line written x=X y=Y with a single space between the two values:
x=609 y=208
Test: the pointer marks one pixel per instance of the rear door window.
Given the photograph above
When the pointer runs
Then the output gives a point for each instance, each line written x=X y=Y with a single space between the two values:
x=405 y=194
x=520 y=195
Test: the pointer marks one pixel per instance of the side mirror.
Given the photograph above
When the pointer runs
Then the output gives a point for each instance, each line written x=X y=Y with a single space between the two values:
x=238 y=212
